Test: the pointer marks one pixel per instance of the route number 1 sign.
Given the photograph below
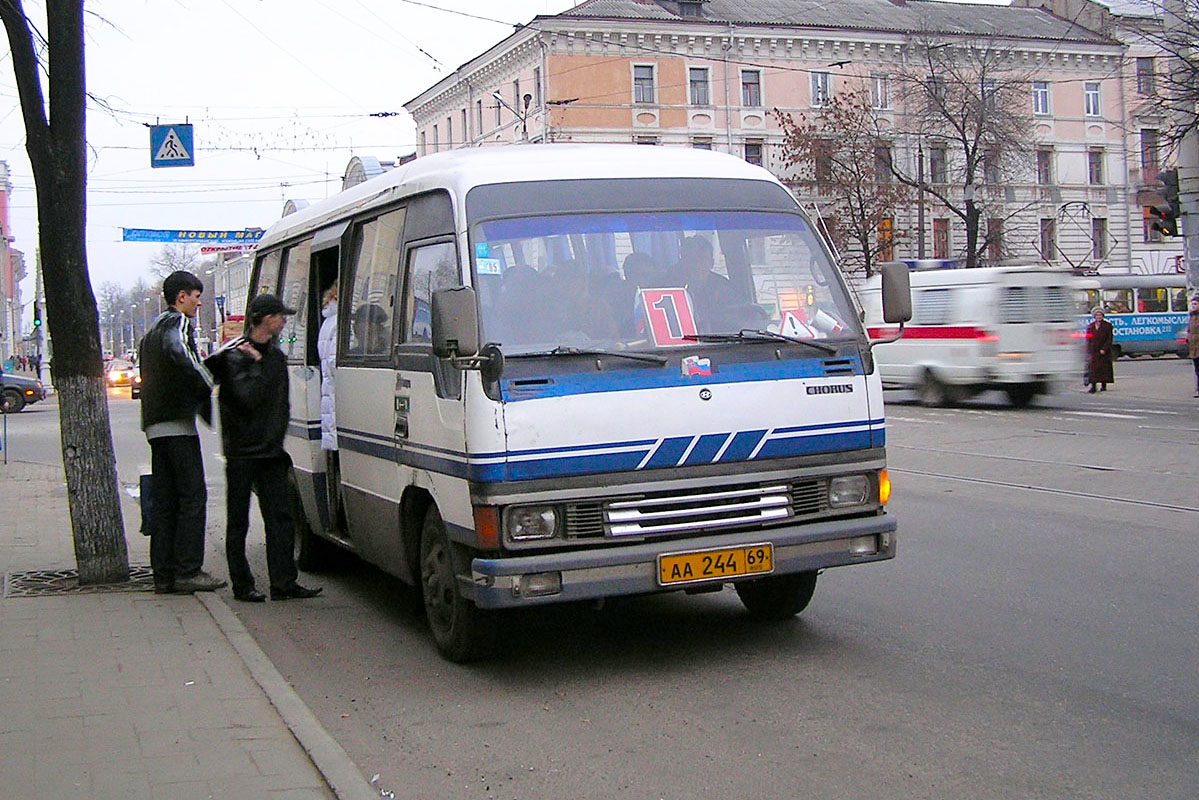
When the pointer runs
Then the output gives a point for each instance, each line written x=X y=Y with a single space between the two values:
x=669 y=316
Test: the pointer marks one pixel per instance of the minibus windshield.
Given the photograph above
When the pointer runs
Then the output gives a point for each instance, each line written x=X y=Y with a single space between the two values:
x=656 y=279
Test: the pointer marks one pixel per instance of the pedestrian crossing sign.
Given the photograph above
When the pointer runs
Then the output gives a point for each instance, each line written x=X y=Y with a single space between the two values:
x=171 y=146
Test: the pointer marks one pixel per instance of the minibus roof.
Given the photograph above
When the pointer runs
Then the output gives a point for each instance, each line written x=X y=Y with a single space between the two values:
x=460 y=170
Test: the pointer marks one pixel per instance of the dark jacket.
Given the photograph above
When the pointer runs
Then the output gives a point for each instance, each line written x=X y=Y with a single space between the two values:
x=254 y=402
x=175 y=384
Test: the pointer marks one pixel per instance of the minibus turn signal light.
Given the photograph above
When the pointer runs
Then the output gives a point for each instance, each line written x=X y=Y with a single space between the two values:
x=884 y=487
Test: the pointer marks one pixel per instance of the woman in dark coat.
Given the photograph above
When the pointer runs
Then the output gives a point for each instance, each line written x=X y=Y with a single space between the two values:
x=1193 y=339
x=1099 y=352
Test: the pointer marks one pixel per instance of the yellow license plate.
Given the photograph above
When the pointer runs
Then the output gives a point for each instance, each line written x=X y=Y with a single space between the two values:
x=713 y=565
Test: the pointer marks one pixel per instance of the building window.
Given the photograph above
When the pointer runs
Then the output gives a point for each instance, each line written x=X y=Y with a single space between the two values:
x=1146 y=76
x=937 y=167
x=823 y=162
x=1090 y=99
x=751 y=88
x=990 y=90
x=941 y=238
x=690 y=8
x=702 y=143
x=516 y=94
x=1040 y=97
x=697 y=79
x=499 y=108
x=1044 y=167
x=1150 y=157
x=1049 y=239
x=643 y=83
x=1099 y=238
x=650 y=140
x=1095 y=167
x=423 y=148
x=886 y=235
x=449 y=133
x=479 y=117
x=1152 y=235
x=880 y=91
x=436 y=146
x=755 y=153
x=995 y=240
x=991 y=167
x=822 y=89
x=882 y=164
x=935 y=88
x=536 y=87
x=465 y=137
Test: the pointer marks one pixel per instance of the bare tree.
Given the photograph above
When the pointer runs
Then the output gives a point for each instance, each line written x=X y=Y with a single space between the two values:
x=56 y=145
x=174 y=257
x=837 y=152
x=1174 y=28
x=967 y=96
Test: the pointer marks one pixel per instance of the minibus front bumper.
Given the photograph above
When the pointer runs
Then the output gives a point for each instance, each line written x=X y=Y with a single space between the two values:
x=633 y=569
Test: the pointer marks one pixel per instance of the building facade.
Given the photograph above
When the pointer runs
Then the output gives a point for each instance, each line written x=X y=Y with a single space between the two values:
x=710 y=73
x=12 y=271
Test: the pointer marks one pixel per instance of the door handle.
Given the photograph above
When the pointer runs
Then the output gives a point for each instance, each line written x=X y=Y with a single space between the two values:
x=401 y=427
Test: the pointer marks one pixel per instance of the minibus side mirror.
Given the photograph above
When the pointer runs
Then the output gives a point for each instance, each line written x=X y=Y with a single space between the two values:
x=897 y=292
x=456 y=333
x=455 y=323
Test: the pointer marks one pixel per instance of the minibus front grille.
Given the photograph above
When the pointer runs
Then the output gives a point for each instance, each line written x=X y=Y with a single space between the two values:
x=697 y=511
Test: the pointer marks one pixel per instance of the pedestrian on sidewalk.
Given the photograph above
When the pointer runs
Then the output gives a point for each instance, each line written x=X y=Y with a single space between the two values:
x=252 y=374
x=1099 y=351
x=175 y=388
x=1193 y=339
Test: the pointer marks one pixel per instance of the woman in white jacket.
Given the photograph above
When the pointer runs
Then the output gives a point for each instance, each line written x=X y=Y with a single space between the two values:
x=326 y=348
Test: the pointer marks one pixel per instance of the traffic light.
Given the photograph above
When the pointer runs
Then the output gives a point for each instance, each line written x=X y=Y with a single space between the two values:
x=37 y=316
x=1166 y=217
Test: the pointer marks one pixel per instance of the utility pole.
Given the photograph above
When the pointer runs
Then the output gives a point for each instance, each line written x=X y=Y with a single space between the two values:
x=39 y=331
x=1176 y=26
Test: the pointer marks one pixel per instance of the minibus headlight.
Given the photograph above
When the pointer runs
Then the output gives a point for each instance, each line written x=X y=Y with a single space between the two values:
x=532 y=522
x=848 y=490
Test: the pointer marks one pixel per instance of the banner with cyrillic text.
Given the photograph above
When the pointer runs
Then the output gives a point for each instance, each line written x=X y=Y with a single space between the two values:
x=176 y=236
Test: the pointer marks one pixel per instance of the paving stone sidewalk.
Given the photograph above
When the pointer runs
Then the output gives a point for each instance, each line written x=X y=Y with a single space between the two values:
x=128 y=694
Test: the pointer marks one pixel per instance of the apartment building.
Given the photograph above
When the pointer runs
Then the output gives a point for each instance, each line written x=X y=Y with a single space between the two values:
x=708 y=73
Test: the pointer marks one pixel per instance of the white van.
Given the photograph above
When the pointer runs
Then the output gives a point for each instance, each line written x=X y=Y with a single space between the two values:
x=572 y=372
x=1005 y=328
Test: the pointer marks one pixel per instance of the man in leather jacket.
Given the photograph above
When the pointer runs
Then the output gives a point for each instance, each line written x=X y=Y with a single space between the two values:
x=255 y=409
x=175 y=388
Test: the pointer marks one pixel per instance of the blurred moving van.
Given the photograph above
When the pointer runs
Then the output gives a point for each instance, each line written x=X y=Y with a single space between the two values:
x=1005 y=328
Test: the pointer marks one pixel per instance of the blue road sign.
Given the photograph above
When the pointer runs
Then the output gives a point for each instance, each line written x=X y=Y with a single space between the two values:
x=171 y=146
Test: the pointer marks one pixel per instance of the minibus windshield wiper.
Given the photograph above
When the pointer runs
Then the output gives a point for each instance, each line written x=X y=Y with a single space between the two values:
x=760 y=335
x=562 y=350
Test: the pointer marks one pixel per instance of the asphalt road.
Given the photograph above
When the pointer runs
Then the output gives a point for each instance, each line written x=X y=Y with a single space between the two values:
x=1034 y=638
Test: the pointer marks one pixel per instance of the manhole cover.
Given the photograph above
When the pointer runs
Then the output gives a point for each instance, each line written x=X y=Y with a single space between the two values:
x=66 y=581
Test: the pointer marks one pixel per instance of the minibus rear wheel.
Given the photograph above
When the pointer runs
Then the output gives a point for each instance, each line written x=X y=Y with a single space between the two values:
x=463 y=632
x=1021 y=394
x=777 y=597
x=935 y=393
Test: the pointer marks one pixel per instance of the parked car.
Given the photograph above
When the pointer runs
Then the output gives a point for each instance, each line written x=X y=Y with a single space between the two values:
x=120 y=373
x=17 y=391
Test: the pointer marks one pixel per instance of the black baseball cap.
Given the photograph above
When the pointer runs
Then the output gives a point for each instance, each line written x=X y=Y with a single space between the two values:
x=266 y=304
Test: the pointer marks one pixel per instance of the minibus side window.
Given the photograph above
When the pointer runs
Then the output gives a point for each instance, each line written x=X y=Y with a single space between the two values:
x=376 y=258
x=430 y=268
x=294 y=294
x=267 y=279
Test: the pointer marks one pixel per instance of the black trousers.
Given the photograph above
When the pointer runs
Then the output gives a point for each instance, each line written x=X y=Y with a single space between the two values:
x=268 y=478
x=177 y=512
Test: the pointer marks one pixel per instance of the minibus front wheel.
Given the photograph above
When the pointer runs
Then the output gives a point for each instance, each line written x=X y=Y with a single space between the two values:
x=777 y=597
x=463 y=632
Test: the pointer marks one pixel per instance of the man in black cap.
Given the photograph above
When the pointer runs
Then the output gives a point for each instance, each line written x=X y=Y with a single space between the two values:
x=252 y=374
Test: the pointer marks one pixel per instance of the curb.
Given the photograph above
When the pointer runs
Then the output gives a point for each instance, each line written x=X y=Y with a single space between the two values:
x=331 y=760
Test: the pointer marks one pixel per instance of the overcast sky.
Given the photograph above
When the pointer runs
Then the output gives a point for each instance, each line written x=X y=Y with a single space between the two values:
x=280 y=93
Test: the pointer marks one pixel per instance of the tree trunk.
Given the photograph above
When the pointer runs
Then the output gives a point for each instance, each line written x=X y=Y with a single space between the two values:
x=972 y=218
x=57 y=152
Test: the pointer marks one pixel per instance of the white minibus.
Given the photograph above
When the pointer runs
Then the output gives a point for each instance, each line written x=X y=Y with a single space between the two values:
x=572 y=372
x=1005 y=328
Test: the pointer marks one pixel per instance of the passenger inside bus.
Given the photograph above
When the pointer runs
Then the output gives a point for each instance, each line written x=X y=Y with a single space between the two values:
x=712 y=295
x=370 y=330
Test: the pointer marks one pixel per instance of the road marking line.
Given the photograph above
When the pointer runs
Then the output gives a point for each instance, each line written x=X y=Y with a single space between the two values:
x=1101 y=414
